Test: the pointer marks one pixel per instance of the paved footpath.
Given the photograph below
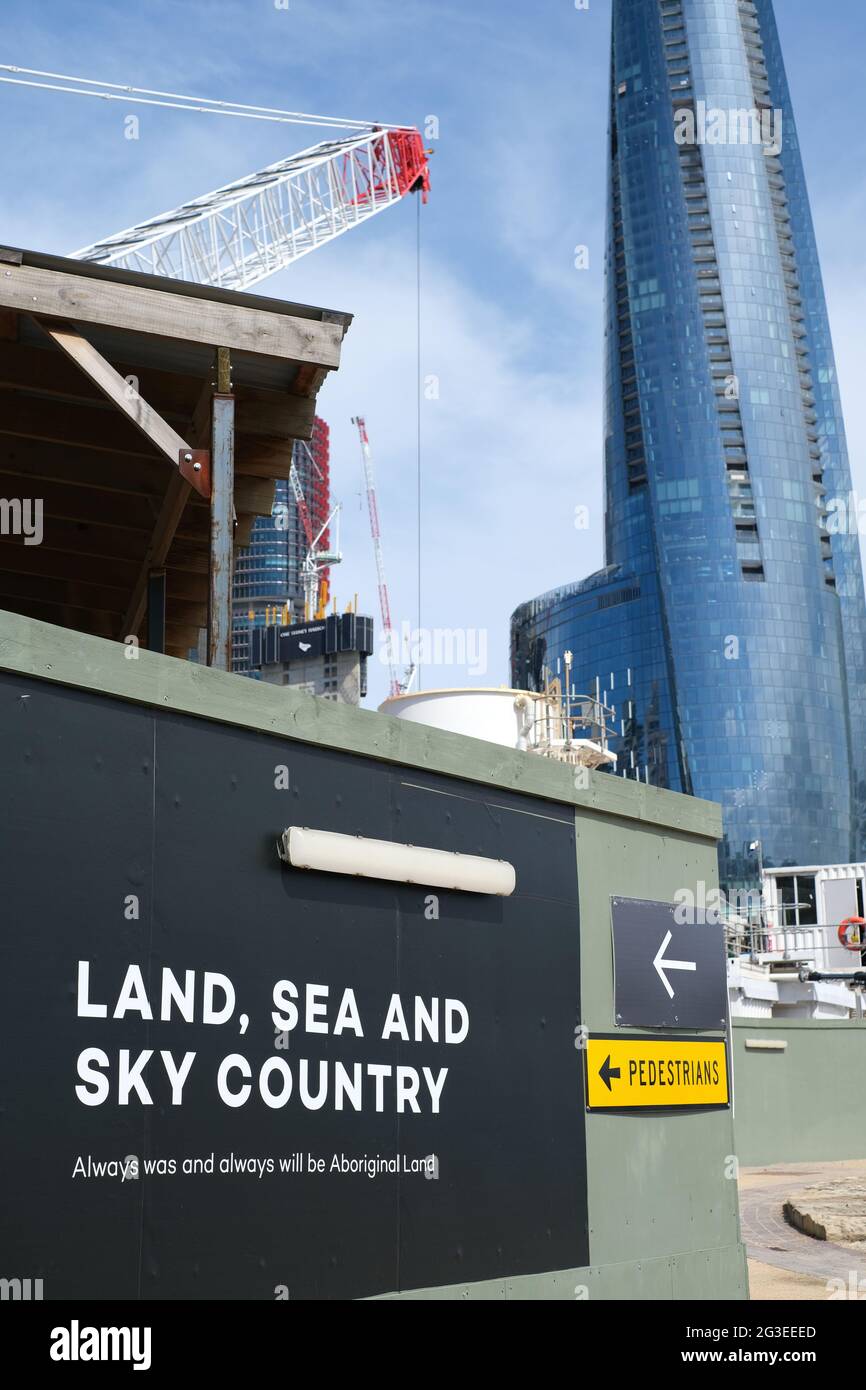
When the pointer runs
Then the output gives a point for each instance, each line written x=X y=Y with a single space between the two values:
x=770 y=1239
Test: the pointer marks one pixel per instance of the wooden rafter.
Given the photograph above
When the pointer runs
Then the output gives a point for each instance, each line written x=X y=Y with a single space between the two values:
x=126 y=398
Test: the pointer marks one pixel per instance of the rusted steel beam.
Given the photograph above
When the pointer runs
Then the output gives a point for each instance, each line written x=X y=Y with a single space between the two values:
x=219 y=645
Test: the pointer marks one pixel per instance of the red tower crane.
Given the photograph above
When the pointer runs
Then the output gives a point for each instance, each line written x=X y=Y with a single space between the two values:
x=396 y=688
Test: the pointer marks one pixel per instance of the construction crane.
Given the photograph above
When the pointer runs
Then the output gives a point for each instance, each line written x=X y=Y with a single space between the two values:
x=301 y=503
x=315 y=561
x=245 y=231
x=240 y=234
x=397 y=687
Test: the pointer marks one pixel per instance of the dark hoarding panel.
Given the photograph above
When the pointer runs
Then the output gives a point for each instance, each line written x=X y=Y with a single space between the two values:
x=76 y=840
x=319 y=1235
x=520 y=960
x=146 y=842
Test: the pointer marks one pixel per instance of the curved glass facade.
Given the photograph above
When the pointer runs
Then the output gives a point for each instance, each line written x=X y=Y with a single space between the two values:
x=729 y=626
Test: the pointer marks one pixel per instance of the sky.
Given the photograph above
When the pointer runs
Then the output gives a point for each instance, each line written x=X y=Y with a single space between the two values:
x=510 y=328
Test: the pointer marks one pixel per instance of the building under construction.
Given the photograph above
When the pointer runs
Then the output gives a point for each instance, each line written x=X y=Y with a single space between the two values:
x=146 y=424
x=268 y=575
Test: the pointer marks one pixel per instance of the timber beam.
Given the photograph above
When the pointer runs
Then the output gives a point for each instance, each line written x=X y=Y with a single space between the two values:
x=192 y=463
x=115 y=304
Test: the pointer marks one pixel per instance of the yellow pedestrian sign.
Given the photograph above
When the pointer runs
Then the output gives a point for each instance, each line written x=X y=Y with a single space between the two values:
x=641 y=1073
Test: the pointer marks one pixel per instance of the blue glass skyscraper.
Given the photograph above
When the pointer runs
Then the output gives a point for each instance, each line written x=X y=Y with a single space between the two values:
x=728 y=627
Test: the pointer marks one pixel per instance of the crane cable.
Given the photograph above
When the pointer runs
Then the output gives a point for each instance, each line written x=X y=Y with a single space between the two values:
x=145 y=96
x=419 y=412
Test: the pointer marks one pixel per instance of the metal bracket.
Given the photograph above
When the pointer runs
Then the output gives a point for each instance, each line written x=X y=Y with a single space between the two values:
x=194 y=467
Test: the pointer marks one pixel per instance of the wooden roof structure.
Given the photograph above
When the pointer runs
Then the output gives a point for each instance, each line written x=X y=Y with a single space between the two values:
x=143 y=422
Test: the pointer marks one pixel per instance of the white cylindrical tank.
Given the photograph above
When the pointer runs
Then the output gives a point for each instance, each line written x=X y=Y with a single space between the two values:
x=498 y=715
x=522 y=719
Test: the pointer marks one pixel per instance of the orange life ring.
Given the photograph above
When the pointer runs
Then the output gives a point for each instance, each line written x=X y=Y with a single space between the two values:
x=860 y=943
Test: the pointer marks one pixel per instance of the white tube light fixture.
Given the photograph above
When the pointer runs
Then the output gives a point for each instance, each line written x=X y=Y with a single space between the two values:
x=333 y=853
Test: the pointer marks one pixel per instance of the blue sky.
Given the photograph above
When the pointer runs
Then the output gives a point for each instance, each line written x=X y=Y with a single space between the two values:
x=512 y=330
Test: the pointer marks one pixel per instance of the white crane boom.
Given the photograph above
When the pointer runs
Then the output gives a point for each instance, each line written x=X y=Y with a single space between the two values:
x=315 y=561
x=240 y=234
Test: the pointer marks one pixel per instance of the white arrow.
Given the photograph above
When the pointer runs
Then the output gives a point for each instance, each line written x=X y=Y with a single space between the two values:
x=305 y=646
x=662 y=965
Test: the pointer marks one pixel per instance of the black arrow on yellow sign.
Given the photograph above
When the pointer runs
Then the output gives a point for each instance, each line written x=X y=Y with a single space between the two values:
x=607 y=1072
x=655 y=1073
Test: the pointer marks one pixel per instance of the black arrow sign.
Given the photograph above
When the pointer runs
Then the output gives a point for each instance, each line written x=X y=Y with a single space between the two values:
x=608 y=1073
